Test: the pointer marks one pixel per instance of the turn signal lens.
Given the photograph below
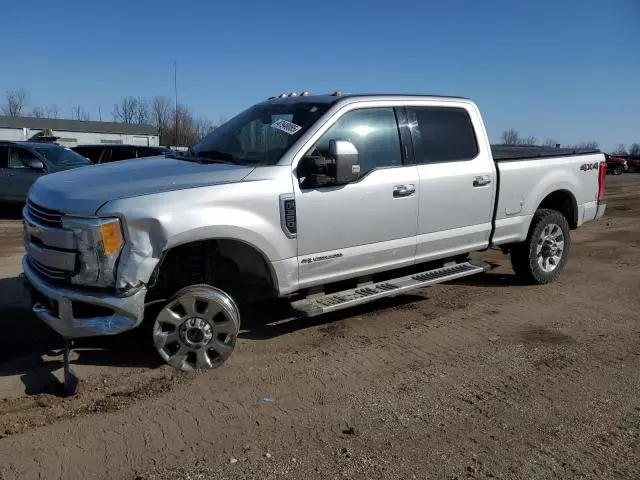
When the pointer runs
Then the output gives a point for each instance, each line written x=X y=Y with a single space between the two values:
x=111 y=237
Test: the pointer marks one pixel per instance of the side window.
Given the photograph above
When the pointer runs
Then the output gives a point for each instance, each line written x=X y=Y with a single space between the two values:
x=444 y=134
x=4 y=156
x=374 y=132
x=19 y=158
x=122 y=153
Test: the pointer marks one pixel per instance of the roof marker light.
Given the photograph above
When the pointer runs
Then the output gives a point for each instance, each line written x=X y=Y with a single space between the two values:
x=282 y=95
x=337 y=93
x=304 y=93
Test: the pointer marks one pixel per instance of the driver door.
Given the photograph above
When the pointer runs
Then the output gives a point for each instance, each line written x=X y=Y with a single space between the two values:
x=365 y=226
x=18 y=176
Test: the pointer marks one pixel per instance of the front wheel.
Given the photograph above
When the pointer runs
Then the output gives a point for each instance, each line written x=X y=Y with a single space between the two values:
x=618 y=170
x=542 y=256
x=197 y=329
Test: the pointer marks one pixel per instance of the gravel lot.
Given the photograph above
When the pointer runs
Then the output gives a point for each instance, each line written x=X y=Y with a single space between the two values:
x=483 y=378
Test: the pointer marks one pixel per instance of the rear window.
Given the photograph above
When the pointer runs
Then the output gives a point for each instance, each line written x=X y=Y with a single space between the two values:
x=62 y=156
x=444 y=134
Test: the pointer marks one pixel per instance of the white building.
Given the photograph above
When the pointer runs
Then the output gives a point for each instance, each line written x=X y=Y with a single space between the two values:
x=77 y=132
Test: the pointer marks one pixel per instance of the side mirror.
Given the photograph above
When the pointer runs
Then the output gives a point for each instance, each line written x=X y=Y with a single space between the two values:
x=35 y=164
x=345 y=154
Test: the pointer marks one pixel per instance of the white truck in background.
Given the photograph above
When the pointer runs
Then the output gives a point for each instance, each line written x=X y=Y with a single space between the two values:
x=328 y=200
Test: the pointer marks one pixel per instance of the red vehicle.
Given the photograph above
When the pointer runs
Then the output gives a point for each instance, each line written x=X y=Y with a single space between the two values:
x=616 y=165
x=633 y=162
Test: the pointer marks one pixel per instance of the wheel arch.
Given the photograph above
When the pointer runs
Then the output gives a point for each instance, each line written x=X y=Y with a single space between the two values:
x=564 y=201
x=237 y=266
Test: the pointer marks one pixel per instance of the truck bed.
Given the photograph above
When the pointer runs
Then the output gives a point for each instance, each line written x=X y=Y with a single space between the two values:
x=505 y=153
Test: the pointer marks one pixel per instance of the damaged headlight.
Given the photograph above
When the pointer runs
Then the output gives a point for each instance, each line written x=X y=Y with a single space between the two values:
x=99 y=242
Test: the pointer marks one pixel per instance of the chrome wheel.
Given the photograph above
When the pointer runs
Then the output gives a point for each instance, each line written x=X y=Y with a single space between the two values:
x=550 y=247
x=197 y=329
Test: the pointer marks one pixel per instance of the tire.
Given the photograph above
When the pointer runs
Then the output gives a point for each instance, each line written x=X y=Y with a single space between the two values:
x=197 y=328
x=547 y=228
x=618 y=170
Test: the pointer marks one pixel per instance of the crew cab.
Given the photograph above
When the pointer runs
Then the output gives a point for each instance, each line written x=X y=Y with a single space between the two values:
x=327 y=200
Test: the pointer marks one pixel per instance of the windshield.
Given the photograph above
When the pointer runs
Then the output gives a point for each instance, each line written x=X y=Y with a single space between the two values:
x=62 y=156
x=261 y=134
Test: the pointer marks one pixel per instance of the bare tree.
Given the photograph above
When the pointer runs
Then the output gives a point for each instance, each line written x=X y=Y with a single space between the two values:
x=202 y=126
x=510 y=137
x=160 y=116
x=16 y=101
x=583 y=146
x=550 y=142
x=52 y=111
x=530 y=140
x=77 y=113
x=38 y=112
x=620 y=150
x=142 y=114
x=126 y=110
x=634 y=149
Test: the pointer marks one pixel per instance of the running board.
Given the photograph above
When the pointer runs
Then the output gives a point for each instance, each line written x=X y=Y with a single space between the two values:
x=317 y=305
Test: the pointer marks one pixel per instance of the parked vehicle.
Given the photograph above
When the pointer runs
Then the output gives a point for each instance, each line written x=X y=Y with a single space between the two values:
x=105 y=153
x=633 y=163
x=616 y=165
x=329 y=201
x=21 y=163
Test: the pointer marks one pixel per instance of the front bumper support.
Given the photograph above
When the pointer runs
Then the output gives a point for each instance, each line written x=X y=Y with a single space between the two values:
x=127 y=312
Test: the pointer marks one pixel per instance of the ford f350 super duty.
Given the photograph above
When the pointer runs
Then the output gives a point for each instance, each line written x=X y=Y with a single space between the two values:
x=327 y=200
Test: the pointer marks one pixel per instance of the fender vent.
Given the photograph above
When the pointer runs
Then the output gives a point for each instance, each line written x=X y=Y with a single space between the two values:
x=288 y=215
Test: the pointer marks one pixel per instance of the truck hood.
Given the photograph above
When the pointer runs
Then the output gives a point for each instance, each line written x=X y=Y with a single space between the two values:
x=84 y=190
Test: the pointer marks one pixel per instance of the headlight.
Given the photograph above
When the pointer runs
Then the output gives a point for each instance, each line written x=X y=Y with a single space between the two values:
x=99 y=242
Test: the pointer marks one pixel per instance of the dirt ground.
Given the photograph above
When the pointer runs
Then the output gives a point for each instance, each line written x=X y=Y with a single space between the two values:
x=482 y=378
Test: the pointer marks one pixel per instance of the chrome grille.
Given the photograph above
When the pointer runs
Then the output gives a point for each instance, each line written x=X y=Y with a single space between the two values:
x=46 y=216
x=48 y=272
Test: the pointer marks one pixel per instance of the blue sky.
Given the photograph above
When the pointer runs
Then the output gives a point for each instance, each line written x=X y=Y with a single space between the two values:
x=563 y=69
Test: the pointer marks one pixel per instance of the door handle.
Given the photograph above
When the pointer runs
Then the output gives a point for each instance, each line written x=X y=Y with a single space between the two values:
x=400 y=191
x=481 y=181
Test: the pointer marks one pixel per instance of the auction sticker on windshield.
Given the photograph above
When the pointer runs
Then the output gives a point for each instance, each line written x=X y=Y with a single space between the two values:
x=288 y=127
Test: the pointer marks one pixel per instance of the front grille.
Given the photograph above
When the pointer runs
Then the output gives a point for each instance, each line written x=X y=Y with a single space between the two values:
x=45 y=216
x=50 y=273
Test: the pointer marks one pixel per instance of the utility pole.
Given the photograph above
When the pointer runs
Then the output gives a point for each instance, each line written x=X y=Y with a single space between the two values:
x=175 y=87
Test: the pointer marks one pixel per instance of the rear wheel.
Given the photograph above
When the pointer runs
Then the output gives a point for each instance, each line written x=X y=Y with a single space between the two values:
x=618 y=170
x=542 y=256
x=197 y=329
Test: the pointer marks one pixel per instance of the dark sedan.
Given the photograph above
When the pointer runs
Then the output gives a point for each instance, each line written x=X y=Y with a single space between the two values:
x=21 y=163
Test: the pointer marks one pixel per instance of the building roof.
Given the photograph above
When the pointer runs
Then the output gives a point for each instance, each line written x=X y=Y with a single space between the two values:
x=59 y=124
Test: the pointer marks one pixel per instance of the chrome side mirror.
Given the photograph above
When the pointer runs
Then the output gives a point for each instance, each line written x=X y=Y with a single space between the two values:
x=345 y=154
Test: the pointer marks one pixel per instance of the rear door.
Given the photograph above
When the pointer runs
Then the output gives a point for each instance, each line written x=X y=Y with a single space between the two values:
x=457 y=179
x=4 y=179
x=18 y=174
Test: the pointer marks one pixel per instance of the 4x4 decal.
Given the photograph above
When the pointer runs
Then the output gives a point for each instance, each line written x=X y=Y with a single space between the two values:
x=589 y=166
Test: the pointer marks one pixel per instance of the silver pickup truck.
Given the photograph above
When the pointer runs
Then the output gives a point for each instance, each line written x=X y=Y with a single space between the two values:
x=327 y=200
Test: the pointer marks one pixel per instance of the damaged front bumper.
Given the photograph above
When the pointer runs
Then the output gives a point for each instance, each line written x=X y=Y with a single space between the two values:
x=75 y=313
